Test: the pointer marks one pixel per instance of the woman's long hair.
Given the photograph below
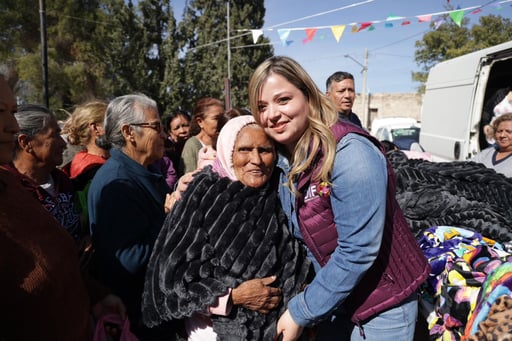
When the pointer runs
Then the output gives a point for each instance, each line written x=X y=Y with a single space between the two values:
x=322 y=115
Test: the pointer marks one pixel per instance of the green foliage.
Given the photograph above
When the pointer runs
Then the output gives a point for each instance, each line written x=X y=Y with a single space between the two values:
x=450 y=41
x=107 y=48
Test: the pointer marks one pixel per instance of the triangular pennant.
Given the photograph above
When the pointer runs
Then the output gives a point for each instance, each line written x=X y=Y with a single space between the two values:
x=337 y=31
x=438 y=23
x=405 y=22
x=354 y=29
x=388 y=24
x=392 y=17
x=364 y=25
x=497 y=5
x=283 y=35
x=476 y=11
x=371 y=28
x=304 y=40
x=289 y=42
x=310 y=33
x=255 y=35
x=457 y=17
x=425 y=18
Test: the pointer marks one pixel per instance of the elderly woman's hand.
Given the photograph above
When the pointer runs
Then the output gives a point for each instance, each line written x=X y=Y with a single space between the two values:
x=256 y=294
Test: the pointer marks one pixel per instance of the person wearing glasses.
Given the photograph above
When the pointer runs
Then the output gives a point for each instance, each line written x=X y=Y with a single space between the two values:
x=126 y=202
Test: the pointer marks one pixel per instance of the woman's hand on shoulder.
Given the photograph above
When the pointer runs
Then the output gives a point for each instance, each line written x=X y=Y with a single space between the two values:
x=257 y=295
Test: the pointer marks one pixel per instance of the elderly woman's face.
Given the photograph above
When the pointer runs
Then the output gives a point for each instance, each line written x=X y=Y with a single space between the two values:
x=253 y=156
x=503 y=136
x=179 y=128
x=8 y=124
x=47 y=147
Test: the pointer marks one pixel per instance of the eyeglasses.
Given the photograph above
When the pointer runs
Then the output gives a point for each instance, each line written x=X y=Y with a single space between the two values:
x=157 y=126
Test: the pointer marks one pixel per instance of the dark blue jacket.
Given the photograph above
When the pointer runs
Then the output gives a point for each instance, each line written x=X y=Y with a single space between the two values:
x=126 y=213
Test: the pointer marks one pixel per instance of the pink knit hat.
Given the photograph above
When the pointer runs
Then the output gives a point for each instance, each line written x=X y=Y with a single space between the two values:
x=223 y=163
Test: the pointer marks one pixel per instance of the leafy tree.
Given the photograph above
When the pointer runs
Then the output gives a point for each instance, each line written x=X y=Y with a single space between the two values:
x=204 y=44
x=450 y=41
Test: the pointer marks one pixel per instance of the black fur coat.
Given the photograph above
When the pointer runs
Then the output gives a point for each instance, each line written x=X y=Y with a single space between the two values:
x=219 y=235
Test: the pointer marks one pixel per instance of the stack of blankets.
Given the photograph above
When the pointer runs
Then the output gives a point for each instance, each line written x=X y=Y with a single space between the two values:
x=461 y=214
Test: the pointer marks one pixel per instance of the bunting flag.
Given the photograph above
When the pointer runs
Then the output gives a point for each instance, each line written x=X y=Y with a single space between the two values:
x=424 y=18
x=363 y=26
x=310 y=33
x=255 y=35
x=283 y=35
x=337 y=32
x=457 y=17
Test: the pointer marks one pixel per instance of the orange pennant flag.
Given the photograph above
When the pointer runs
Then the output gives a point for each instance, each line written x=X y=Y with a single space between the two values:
x=310 y=33
x=337 y=31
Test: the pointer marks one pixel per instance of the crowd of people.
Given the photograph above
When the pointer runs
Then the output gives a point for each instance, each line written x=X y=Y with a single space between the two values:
x=278 y=221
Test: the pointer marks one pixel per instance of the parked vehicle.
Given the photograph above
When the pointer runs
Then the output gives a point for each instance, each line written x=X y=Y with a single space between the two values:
x=402 y=131
x=459 y=99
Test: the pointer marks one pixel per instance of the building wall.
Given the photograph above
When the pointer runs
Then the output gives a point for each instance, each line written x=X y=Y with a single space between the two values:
x=390 y=105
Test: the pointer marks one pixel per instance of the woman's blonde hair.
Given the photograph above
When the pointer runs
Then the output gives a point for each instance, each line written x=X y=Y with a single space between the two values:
x=77 y=125
x=322 y=115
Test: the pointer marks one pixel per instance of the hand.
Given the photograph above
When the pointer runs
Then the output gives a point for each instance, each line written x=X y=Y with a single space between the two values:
x=111 y=304
x=256 y=295
x=287 y=327
x=183 y=183
x=170 y=200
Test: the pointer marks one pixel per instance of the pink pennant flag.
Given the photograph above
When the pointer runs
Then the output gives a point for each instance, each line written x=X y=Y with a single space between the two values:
x=364 y=25
x=337 y=31
x=425 y=18
x=405 y=22
x=310 y=33
x=476 y=11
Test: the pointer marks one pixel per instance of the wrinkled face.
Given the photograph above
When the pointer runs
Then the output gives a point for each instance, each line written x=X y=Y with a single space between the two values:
x=343 y=94
x=283 y=110
x=149 y=140
x=8 y=124
x=179 y=129
x=503 y=136
x=210 y=124
x=253 y=156
x=47 y=147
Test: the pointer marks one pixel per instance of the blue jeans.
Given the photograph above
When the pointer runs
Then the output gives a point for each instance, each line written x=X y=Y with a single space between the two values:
x=395 y=324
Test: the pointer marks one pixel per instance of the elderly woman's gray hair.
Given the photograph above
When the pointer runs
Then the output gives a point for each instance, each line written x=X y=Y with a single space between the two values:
x=123 y=110
x=33 y=119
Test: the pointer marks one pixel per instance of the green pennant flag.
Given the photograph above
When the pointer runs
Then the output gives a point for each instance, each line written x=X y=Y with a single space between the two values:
x=457 y=17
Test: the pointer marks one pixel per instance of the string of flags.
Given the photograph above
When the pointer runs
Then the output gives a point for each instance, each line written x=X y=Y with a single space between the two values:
x=456 y=16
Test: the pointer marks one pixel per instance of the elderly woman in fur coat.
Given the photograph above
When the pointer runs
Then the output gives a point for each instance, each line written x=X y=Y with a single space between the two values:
x=224 y=260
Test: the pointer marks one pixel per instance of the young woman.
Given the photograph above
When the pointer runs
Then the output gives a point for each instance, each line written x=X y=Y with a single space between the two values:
x=338 y=193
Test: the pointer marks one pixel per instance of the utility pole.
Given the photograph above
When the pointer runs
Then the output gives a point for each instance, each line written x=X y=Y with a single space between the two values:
x=366 y=111
x=227 y=83
x=364 y=95
x=44 y=51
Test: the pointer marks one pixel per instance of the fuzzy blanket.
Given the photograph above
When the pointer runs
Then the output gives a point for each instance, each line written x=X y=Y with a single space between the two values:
x=219 y=235
x=462 y=193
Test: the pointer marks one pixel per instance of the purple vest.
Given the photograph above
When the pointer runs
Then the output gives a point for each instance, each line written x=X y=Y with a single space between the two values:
x=400 y=267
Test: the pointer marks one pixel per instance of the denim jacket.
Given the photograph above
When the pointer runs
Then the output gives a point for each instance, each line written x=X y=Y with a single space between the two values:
x=359 y=169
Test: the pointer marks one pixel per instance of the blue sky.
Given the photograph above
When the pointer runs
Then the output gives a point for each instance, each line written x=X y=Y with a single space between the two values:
x=390 y=49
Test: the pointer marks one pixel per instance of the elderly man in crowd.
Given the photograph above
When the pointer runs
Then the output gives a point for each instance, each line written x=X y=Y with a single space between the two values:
x=126 y=202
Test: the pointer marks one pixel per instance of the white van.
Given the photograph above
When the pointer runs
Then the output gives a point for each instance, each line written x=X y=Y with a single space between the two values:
x=459 y=98
x=402 y=131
